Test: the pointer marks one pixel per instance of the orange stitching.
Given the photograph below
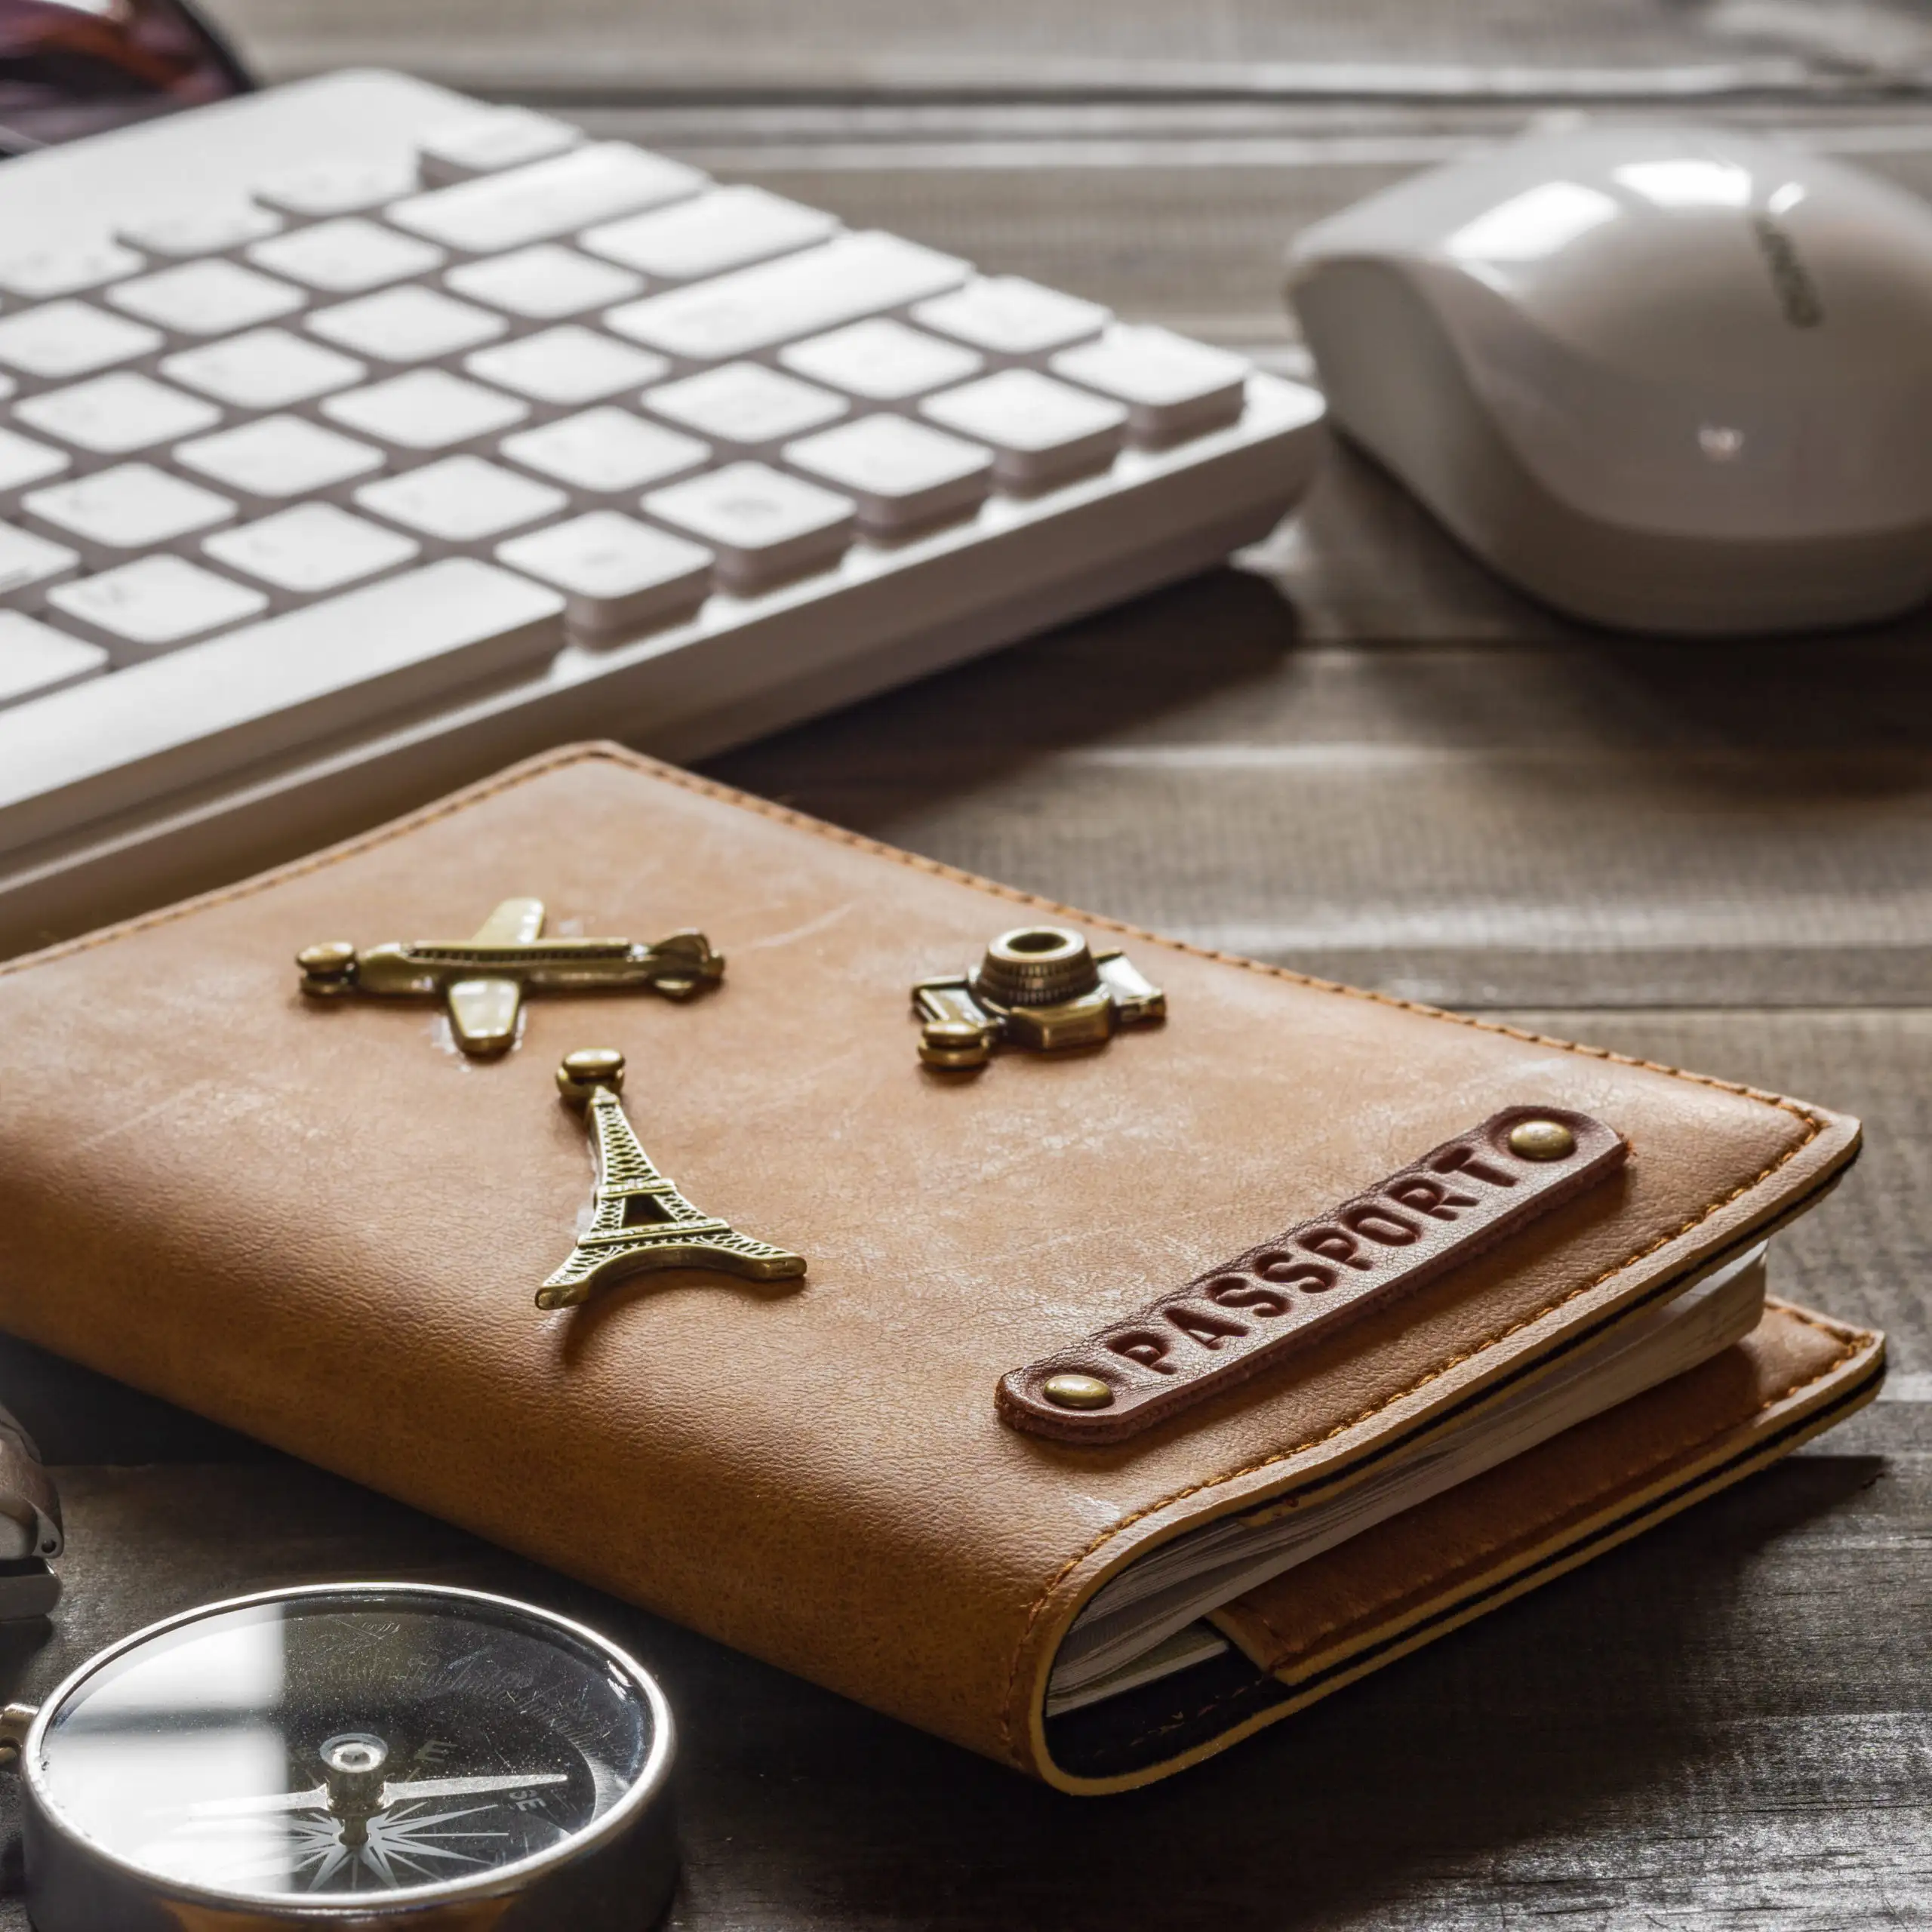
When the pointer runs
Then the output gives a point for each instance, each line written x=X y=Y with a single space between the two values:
x=521 y=774
x=1854 y=1340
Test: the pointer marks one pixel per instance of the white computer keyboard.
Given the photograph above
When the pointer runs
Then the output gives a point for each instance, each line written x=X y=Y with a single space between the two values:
x=354 y=439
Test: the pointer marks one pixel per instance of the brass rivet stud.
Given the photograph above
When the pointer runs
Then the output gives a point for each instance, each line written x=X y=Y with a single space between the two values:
x=328 y=968
x=1077 y=1391
x=1542 y=1140
x=955 y=1043
x=589 y=1067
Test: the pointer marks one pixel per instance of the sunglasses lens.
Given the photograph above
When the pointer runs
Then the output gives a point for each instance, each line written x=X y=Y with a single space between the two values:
x=74 y=67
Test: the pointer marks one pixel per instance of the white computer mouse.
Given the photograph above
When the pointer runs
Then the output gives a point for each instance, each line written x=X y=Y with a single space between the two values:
x=1664 y=379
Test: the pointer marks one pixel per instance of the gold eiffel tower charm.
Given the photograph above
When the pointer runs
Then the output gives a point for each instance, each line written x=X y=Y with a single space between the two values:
x=641 y=1221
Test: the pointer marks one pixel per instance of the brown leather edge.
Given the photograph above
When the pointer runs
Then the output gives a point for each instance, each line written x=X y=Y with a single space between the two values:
x=1786 y=1421
x=1840 y=1129
x=1804 y=1170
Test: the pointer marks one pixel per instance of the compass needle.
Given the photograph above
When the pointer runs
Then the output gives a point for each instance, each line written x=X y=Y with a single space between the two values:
x=311 y=1800
x=419 y=1788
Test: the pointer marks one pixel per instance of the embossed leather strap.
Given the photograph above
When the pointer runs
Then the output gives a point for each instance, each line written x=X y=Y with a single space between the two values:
x=1236 y=1320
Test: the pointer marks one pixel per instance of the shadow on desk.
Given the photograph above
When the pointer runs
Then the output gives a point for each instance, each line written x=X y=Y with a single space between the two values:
x=75 y=1416
x=1608 y=1702
x=1362 y=567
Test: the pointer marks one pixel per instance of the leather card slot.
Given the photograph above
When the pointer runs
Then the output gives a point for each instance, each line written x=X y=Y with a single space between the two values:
x=1551 y=1512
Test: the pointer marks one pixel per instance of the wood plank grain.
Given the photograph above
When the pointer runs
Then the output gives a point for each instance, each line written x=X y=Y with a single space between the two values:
x=1709 y=1726
x=1499 y=808
x=1236 y=44
x=999 y=43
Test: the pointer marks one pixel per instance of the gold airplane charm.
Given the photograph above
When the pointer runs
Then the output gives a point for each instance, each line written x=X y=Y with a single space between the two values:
x=640 y=1221
x=483 y=980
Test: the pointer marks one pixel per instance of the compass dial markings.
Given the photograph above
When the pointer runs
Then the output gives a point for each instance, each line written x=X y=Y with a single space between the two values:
x=451 y=1701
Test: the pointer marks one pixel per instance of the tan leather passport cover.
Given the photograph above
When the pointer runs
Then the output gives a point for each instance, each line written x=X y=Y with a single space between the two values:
x=322 y=1225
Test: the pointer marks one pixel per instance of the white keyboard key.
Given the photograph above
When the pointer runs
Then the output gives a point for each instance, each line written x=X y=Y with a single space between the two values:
x=903 y=475
x=154 y=604
x=1173 y=388
x=115 y=414
x=1042 y=433
x=60 y=340
x=312 y=549
x=548 y=198
x=620 y=577
x=725 y=228
x=134 y=507
x=777 y=302
x=427 y=409
x=606 y=452
x=30 y=565
x=764 y=526
x=206 y=298
x=43 y=273
x=491 y=139
x=23 y=463
x=317 y=190
x=208 y=228
x=36 y=660
x=543 y=283
x=264 y=369
x=745 y=406
x=462 y=499
x=1007 y=318
x=406 y=325
x=567 y=366
x=346 y=256
x=190 y=717
x=263 y=463
x=882 y=360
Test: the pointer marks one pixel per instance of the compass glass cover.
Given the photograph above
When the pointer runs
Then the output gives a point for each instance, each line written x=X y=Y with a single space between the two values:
x=358 y=1741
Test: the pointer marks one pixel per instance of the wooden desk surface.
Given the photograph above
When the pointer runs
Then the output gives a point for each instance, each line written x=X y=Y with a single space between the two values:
x=1359 y=755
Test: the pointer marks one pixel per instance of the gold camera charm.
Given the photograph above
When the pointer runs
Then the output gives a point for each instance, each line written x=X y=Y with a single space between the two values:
x=1040 y=987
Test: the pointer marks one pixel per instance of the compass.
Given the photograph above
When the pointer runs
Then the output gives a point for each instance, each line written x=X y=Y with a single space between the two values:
x=358 y=1755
